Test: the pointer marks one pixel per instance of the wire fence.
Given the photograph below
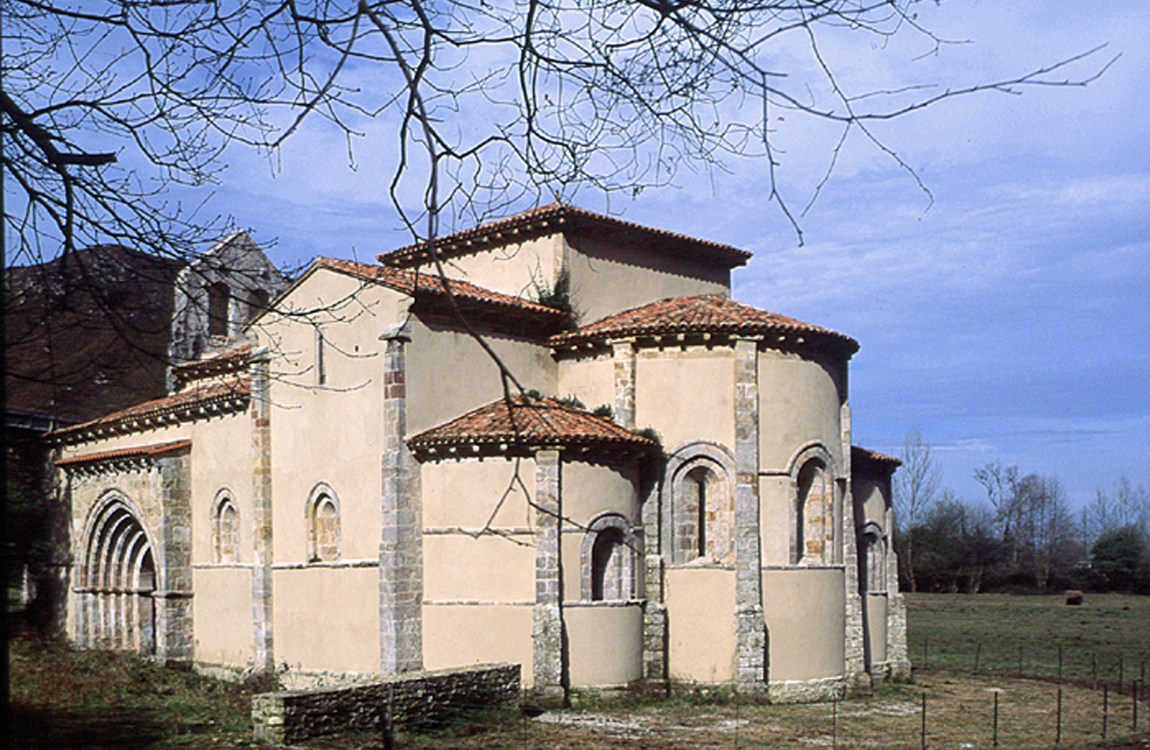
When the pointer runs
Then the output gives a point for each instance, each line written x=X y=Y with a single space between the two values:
x=996 y=711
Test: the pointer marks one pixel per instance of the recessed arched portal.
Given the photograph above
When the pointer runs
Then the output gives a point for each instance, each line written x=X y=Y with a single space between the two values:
x=119 y=579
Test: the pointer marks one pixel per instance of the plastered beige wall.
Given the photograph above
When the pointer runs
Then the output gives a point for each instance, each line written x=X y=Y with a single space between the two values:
x=686 y=394
x=591 y=488
x=798 y=404
x=472 y=493
x=448 y=374
x=606 y=279
x=776 y=518
x=221 y=460
x=327 y=618
x=459 y=635
x=491 y=568
x=876 y=614
x=222 y=614
x=330 y=433
x=701 y=624
x=514 y=268
x=868 y=495
x=605 y=644
x=589 y=378
x=804 y=610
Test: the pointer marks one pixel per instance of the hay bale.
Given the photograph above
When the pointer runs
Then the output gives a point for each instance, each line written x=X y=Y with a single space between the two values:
x=1073 y=598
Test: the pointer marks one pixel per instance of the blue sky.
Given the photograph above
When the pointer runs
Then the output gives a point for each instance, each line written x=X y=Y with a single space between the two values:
x=1009 y=319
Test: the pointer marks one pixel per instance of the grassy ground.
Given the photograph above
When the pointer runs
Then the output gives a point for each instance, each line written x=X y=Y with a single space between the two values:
x=66 y=699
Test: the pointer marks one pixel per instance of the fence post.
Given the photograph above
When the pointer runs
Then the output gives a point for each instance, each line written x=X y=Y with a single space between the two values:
x=1120 y=675
x=924 y=721
x=1105 y=709
x=1060 y=665
x=1058 y=721
x=1134 y=713
x=995 y=719
x=977 y=654
x=1094 y=670
x=1020 y=661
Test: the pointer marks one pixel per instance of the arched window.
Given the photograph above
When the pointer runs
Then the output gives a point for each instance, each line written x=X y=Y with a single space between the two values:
x=702 y=505
x=226 y=529
x=219 y=298
x=609 y=555
x=814 y=530
x=872 y=558
x=323 y=525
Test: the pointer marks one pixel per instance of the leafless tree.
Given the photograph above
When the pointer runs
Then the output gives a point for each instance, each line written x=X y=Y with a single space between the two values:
x=492 y=104
x=915 y=490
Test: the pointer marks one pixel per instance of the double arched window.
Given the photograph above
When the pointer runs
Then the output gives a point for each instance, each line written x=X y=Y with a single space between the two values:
x=323 y=544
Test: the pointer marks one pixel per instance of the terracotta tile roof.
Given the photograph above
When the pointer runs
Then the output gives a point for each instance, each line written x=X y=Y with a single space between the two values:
x=865 y=461
x=524 y=422
x=471 y=298
x=705 y=313
x=142 y=451
x=559 y=216
x=211 y=399
x=230 y=361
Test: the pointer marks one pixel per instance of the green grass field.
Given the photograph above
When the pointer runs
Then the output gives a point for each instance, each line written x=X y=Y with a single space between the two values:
x=1104 y=639
x=63 y=699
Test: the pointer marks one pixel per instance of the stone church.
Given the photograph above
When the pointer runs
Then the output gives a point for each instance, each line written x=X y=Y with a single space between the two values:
x=641 y=482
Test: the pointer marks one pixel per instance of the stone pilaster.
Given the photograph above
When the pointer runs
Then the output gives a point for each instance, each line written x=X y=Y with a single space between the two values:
x=173 y=596
x=857 y=679
x=401 y=539
x=750 y=629
x=654 y=610
x=897 y=656
x=262 y=546
x=623 y=356
x=549 y=679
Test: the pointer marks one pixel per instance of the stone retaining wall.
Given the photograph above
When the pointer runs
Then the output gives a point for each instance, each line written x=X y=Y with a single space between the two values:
x=292 y=716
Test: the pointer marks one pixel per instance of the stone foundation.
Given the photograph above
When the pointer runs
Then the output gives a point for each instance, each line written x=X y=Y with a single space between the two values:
x=294 y=716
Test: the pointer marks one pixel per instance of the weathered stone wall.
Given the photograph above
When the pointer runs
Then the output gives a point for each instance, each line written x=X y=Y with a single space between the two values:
x=288 y=717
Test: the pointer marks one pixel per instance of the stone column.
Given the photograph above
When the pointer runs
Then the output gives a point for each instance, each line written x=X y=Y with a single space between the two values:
x=623 y=355
x=262 y=547
x=547 y=633
x=750 y=629
x=173 y=594
x=401 y=533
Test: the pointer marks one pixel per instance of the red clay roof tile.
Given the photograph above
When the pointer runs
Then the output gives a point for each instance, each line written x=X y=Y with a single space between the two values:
x=530 y=421
x=559 y=216
x=227 y=396
x=702 y=313
x=404 y=281
x=155 y=449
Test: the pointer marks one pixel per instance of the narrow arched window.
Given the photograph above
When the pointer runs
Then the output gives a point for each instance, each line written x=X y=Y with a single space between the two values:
x=872 y=549
x=226 y=530
x=323 y=526
x=813 y=506
x=219 y=299
x=607 y=566
x=609 y=560
x=704 y=515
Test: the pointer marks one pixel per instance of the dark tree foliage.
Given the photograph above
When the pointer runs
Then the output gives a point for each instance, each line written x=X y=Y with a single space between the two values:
x=1121 y=557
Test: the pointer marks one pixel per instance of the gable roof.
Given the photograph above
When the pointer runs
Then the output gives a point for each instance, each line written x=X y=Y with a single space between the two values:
x=706 y=314
x=478 y=303
x=868 y=463
x=556 y=217
x=209 y=400
x=518 y=425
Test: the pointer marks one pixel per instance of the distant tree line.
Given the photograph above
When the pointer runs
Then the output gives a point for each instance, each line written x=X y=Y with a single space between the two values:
x=1022 y=537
